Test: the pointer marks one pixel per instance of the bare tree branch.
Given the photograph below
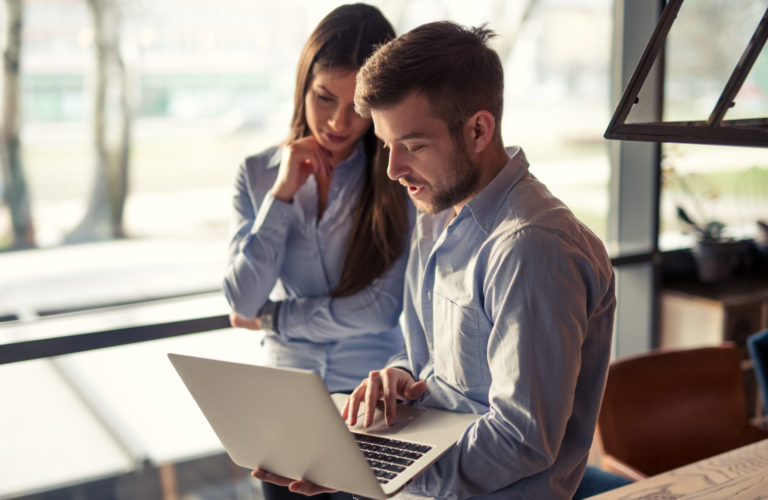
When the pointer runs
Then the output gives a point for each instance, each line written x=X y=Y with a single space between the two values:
x=15 y=190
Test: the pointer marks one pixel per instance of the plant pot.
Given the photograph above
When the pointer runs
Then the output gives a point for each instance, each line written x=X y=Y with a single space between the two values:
x=715 y=259
x=761 y=240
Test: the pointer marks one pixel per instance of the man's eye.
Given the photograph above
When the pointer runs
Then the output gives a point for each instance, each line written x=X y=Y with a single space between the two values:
x=413 y=149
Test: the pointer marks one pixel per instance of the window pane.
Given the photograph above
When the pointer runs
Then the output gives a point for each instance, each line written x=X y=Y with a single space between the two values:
x=712 y=183
x=703 y=47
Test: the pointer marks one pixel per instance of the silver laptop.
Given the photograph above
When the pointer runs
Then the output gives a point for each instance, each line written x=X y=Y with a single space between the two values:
x=285 y=421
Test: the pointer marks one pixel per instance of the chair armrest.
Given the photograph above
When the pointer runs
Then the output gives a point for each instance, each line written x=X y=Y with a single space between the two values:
x=610 y=463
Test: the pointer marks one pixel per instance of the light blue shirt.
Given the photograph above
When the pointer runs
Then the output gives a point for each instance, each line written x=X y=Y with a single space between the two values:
x=283 y=252
x=509 y=313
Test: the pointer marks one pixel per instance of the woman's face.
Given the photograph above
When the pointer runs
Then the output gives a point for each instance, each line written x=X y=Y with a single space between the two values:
x=330 y=112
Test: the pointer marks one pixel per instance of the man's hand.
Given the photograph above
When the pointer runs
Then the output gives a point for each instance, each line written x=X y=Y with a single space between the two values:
x=389 y=385
x=296 y=486
x=240 y=322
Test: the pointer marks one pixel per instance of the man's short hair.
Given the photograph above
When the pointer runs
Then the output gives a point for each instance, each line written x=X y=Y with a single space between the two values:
x=451 y=65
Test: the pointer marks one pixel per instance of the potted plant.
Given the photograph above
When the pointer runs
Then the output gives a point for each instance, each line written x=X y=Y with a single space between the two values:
x=715 y=254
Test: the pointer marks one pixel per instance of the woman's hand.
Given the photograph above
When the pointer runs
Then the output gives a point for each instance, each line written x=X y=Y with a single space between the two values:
x=240 y=322
x=301 y=158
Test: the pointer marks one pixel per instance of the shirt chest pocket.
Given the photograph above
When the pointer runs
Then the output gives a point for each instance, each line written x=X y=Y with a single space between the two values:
x=459 y=350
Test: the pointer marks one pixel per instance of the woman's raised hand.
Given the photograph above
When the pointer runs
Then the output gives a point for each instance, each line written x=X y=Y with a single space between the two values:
x=301 y=158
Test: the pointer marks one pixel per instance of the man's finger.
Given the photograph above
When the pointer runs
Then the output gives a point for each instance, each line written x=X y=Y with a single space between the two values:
x=415 y=390
x=352 y=405
x=345 y=408
x=390 y=397
x=372 y=396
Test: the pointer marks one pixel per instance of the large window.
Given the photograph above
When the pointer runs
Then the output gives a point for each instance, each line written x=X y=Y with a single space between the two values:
x=210 y=82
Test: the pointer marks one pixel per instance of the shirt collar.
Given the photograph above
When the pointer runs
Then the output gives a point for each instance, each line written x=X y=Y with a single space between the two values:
x=486 y=204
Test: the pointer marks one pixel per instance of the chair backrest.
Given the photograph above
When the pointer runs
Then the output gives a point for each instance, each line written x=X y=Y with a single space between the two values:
x=667 y=408
x=757 y=344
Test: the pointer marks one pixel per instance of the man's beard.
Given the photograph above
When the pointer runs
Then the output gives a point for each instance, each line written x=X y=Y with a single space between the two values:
x=461 y=181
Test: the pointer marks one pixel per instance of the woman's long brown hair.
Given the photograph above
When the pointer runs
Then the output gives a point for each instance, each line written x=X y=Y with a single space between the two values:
x=342 y=41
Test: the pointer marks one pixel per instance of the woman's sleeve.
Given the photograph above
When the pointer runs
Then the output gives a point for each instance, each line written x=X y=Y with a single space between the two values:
x=256 y=248
x=374 y=309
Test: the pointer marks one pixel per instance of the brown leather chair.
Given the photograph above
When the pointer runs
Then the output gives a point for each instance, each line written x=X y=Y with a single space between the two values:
x=667 y=408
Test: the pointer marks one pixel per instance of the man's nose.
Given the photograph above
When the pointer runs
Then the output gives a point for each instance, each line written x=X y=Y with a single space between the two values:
x=396 y=167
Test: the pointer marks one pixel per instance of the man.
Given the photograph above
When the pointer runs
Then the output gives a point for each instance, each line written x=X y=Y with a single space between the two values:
x=509 y=299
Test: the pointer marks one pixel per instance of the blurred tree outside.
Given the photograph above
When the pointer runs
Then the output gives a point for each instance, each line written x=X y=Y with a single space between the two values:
x=111 y=128
x=14 y=185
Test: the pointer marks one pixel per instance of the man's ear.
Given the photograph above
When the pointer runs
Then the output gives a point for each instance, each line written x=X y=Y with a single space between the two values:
x=479 y=130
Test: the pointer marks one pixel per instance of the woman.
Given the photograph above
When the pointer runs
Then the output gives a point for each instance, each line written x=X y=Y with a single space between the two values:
x=317 y=255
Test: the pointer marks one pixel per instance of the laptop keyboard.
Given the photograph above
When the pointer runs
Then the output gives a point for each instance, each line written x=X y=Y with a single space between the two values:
x=389 y=457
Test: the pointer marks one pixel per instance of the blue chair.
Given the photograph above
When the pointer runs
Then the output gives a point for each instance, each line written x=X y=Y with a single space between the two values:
x=757 y=343
x=596 y=481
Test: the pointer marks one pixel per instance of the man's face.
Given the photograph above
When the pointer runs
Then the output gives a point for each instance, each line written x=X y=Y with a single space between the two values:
x=424 y=157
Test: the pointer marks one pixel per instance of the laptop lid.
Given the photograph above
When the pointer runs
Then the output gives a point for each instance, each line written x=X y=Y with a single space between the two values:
x=285 y=421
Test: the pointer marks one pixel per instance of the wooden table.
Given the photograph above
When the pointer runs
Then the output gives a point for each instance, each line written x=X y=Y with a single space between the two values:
x=740 y=474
